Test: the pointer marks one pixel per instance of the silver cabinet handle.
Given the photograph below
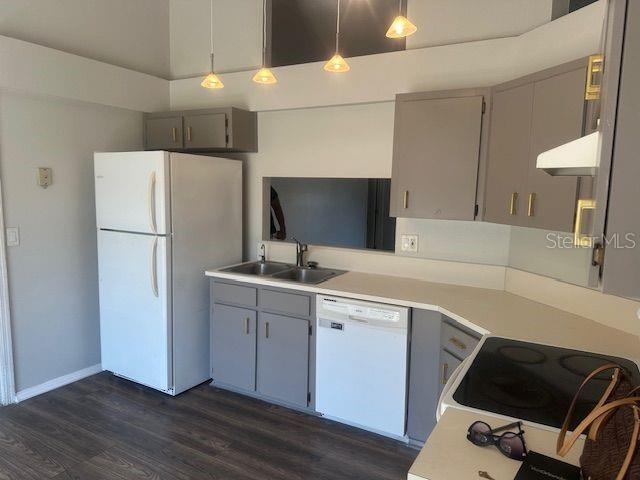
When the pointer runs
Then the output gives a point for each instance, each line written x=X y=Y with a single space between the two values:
x=174 y=134
x=188 y=133
x=266 y=330
x=246 y=325
x=152 y=202
x=154 y=268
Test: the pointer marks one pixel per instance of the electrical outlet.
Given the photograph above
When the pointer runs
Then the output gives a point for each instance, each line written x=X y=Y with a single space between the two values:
x=409 y=243
x=13 y=237
x=45 y=177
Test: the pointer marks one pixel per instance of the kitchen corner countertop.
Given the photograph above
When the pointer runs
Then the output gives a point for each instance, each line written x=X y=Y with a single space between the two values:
x=483 y=310
x=447 y=453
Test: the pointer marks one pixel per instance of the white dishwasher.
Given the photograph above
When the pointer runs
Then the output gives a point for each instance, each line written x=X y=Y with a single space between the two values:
x=361 y=364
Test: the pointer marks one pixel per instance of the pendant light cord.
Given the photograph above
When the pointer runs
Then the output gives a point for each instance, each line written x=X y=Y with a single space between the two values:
x=338 y=28
x=211 y=31
x=264 y=32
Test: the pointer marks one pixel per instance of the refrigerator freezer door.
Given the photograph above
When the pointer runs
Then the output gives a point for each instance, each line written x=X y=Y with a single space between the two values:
x=134 y=307
x=131 y=191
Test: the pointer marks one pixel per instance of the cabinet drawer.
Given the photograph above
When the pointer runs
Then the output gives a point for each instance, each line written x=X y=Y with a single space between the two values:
x=236 y=294
x=457 y=341
x=291 y=303
x=448 y=364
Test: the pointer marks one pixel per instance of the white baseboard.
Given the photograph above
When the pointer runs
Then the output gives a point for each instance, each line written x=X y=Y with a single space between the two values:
x=57 y=382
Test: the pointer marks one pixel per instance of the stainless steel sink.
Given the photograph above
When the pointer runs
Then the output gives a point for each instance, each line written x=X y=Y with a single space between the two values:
x=307 y=275
x=259 y=268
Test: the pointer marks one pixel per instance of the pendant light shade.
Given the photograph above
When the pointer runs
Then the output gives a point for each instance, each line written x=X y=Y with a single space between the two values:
x=212 y=81
x=401 y=26
x=264 y=76
x=337 y=63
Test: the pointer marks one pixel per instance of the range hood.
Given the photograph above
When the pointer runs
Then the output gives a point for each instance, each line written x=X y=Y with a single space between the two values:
x=577 y=158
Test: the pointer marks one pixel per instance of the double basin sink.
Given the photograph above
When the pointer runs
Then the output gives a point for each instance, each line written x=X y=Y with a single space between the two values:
x=284 y=271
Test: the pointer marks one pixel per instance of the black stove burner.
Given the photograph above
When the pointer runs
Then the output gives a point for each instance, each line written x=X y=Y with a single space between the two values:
x=534 y=382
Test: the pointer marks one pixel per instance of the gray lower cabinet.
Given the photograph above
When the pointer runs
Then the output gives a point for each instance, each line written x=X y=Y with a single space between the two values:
x=259 y=350
x=436 y=152
x=233 y=346
x=423 y=374
x=283 y=358
x=163 y=133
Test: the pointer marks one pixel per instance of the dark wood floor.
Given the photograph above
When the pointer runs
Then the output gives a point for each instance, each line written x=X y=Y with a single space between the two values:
x=104 y=427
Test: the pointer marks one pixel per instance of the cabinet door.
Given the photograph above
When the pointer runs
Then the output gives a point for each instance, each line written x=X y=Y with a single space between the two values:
x=163 y=133
x=621 y=273
x=205 y=130
x=283 y=358
x=435 y=158
x=233 y=346
x=509 y=146
x=423 y=373
x=557 y=118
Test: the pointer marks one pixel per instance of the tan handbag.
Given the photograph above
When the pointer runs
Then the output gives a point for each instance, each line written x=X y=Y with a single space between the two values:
x=611 y=447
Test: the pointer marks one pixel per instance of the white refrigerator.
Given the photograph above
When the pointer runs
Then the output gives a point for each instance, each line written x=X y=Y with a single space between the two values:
x=162 y=219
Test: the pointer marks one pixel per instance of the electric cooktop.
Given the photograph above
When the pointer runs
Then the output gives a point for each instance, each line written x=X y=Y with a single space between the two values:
x=534 y=382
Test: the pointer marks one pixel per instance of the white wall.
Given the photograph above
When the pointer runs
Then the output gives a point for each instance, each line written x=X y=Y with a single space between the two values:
x=442 y=22
x=129 y=33
x=238 y=28
x=237 y=31
x=53 y=278
x=30 y=68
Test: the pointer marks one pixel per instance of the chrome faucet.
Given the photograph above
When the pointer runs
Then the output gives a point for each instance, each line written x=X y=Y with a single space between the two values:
x=301 y=248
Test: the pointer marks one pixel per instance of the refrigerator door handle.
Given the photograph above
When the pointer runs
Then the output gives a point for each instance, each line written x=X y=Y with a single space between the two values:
x=152 y=202
x=154 y=267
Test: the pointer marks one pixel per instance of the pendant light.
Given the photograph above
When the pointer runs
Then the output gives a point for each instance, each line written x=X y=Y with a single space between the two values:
x=337 y=63
x=212 y=81
x=264 y=76
x=401 y=26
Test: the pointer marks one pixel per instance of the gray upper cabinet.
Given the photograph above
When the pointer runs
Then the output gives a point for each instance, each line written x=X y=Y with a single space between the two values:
x=163 y=133
x=557 y=118
x=509 y=145
x=529 y=116
x=621 y=271
x=218 y=129
x=436 y=153
x=205 y=130
x=233 y=346
x=283 y=358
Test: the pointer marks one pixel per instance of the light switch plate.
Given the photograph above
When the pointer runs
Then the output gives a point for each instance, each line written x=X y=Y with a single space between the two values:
x=13 y=237
x=45 y=177
x=409 y=243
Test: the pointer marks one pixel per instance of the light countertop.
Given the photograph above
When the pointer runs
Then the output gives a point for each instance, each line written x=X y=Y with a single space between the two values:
x=448 y=454
x=483 y=310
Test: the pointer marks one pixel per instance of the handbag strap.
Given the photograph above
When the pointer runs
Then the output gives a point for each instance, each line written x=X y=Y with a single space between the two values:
x=631 y=402
x=563 y=446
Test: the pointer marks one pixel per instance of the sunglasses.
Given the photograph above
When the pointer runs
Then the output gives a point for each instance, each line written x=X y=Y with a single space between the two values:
x=509 y=443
